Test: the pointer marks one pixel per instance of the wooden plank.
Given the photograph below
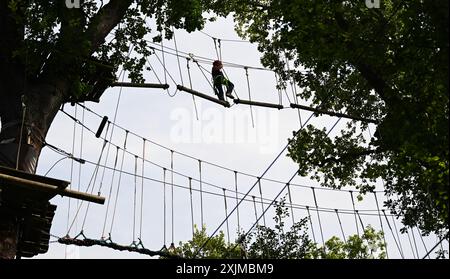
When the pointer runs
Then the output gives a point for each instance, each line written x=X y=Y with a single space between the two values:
x=260 y=104
x=332 y=113
x=140 y=85
x=204 y=96
x=38 y=178
x=8 y=181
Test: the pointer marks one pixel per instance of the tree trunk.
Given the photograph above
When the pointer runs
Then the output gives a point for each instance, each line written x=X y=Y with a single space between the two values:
x=37 y=108
x=43 y=93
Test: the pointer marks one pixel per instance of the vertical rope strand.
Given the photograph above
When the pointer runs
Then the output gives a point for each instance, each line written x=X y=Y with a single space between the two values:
x=398 y=236
x=280 y=93
x=311 y=224
x=256 y=211
x=190 y=84
x=71 y=167
x=163 y=59
x=192 y=207
x=171 y=198
x=178 y=57
x=393 y=235
x=134 y=197
x=226 y=213
x=201 y=191
x=423 y=242
x=411 y=245
x=415 y=243
x=110 y=190
x=119 y=182
x=164 y=206
x=318 y=216
x=262 y=202
x=381 y=223
x=340 y=225
x=219 y=42
x=249 y=96
x=290 y=202
x=142 y=189
x=237 y=200
x=354 y=212
x=294 y=90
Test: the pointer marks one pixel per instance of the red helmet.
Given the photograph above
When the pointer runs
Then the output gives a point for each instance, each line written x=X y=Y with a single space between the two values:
x=217 y=63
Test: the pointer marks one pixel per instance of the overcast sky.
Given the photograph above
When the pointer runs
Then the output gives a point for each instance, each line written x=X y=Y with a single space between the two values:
x=224 y=136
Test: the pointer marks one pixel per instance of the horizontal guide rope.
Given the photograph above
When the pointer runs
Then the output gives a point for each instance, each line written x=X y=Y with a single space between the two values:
x=210 y=163
x=140 y=85
x=267 y=200
x=204 y=96
x=202 y=59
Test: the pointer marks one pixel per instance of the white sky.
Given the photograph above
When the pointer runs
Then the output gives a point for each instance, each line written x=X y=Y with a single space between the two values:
x=222 y=136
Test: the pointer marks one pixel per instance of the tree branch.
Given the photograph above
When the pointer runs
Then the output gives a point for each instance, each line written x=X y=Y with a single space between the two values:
x=11 y=68
x=104 y=21
x=367 y=71
x=348 y=156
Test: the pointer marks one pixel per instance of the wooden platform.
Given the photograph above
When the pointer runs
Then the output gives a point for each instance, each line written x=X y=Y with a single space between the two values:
x=14 y=183
x=26 y=197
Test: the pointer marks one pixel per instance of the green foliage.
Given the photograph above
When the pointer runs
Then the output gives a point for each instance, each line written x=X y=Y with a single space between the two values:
x=58 y=39
x=387 y=64
x=216 y=248
x=369 y=245
x=279 y=243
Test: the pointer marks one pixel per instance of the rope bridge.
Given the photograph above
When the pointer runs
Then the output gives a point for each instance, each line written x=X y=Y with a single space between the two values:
x=256 y=198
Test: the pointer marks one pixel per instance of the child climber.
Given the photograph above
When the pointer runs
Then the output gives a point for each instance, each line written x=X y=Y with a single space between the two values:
x=219 y=79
